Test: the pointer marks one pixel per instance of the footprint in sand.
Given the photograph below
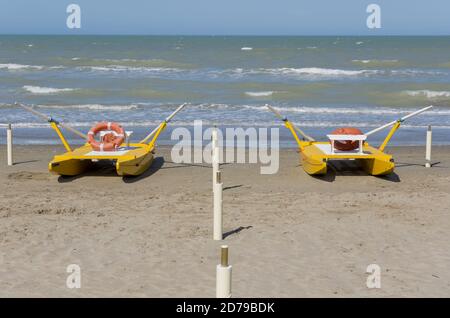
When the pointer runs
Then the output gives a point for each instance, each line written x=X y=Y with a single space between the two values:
x=28 y=175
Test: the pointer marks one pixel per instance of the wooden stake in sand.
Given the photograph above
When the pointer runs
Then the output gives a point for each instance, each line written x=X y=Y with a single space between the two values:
x=9 y=145
x=218 y=206
x=428 y=148
x=223 y=275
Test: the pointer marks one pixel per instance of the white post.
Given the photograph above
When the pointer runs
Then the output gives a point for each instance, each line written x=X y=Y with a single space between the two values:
x=9 y=145
x=218 y=205
x=214 y=138
x=223 y=275
x=215 y=155
x=428 y=149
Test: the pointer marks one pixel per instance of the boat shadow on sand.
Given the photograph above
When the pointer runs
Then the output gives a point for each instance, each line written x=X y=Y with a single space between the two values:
x=343 y=168
x=106 y=169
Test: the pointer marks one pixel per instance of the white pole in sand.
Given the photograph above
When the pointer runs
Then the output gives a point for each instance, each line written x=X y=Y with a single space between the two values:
x=215 y=154
x=218 y=206
x=428 y=148
x=9 y=146
x=223 y=275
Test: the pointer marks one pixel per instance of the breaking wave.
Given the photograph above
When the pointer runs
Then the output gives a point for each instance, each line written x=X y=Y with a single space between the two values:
x=16 y=67
x=433 y=95
x=46 y=90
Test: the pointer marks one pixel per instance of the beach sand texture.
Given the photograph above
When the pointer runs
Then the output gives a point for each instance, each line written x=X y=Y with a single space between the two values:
x=290 y=234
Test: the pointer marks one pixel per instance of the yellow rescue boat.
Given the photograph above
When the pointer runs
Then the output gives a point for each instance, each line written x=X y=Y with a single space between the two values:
x=316 y=154
x=131 y=159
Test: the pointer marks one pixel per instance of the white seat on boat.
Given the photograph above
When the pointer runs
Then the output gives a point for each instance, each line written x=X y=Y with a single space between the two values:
x=359 y=138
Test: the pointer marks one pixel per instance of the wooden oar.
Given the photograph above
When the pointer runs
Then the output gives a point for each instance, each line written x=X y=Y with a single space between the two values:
x=168 y=119
x=50 y=119
x=284 y=119
x=417 y=112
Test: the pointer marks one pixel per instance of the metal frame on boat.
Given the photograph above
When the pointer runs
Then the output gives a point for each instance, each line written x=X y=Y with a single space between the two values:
x=316 y=154
x=130 y=160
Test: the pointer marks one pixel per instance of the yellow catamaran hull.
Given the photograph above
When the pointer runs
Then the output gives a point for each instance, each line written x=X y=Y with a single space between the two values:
x=132 y=160
x=316 y=154
x=314 y=160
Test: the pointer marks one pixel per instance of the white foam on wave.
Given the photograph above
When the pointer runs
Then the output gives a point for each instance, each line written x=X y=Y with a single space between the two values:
x=260 y=94
x=375 y=61
x=46 y=90
x=246 y=48
x=429 y=94
x=14 y=67
x=94 y=107
x=347 y=110
x=121 y=68
x=317 y=71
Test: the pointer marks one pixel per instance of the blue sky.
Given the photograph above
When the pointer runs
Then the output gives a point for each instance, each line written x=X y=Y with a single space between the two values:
x=230 y=17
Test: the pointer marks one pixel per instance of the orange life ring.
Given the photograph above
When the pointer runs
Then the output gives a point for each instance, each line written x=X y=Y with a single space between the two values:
x=346 y=145
x=111 y=141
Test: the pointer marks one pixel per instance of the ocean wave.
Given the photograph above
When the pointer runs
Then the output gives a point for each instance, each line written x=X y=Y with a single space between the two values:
x=347 y=110
x=429 y=94
x=316 y=71
x=16 y=67
x=46 y=90
x=324 y=73
x=246 y=48
x=210 y=123
x=94 y=107
x=126 y=62
x=130 y=69
x=375 y=61
x=260 y=94
x=379 y=63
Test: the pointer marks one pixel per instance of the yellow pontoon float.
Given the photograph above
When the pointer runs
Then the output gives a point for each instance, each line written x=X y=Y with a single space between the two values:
x=316 y=154
x=129 y=160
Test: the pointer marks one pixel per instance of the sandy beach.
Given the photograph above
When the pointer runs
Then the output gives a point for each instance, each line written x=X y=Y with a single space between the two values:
x=290 y=234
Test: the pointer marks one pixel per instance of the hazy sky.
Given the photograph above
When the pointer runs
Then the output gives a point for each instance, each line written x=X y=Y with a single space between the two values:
x=232 y=17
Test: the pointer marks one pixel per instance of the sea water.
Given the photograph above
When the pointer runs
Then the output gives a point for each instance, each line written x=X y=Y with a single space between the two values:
x=320 y=83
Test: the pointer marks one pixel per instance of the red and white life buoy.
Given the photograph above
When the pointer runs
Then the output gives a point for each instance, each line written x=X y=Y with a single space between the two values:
x=109 y=142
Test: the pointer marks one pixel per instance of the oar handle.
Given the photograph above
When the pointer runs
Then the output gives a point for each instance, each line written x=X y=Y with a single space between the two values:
x=168 y=119
x=31 y=110
x=175 y=112
x=73 y=130
x=417 y=112
x=284 y=119
x=276 y=112
x=50 y=119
